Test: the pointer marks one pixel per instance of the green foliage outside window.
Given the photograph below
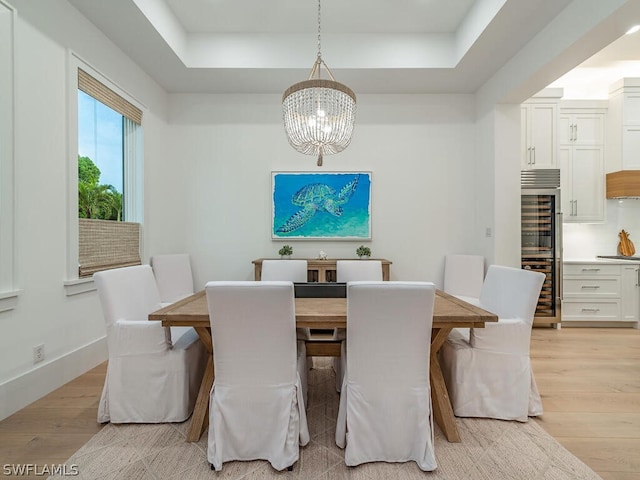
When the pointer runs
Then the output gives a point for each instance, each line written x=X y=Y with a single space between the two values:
x=96 y=200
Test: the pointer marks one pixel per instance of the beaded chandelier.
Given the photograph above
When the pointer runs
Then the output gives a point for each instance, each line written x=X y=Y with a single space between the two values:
x=319 y=113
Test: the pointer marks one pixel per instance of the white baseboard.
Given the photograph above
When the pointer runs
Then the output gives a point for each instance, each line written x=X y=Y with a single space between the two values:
x=21 y=391
x=596 y=324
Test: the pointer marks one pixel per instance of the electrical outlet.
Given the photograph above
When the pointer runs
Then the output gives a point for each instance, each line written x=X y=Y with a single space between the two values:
x=38 y=353
x=488 y=233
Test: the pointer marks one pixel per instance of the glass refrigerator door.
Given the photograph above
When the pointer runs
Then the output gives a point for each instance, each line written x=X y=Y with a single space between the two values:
x=538 y=246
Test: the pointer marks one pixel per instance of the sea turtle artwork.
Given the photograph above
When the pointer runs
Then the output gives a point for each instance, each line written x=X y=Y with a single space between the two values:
x=318 y=197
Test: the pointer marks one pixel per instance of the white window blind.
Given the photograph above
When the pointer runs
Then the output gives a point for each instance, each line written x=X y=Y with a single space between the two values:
x=105 y=244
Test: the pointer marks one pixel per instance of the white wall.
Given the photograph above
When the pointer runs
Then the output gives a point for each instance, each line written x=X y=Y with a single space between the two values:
x=497 y=205
x=419 y=148
x=70 y=327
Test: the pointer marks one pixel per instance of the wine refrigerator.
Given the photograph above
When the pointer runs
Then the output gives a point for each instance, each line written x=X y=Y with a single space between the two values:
x=541 y=238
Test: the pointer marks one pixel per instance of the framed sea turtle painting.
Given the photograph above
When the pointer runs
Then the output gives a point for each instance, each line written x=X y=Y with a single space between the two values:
x=321 y=206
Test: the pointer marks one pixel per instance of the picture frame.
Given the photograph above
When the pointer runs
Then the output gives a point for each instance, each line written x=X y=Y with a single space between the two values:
x=321 y=206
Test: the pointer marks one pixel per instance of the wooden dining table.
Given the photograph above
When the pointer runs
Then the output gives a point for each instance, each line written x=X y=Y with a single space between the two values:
x=327 y=313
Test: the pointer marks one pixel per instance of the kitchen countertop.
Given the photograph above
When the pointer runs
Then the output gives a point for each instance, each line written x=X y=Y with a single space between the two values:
x=618 y=261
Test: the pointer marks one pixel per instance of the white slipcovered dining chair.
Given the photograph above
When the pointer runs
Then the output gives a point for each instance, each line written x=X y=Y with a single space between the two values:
x=284 y=270
x=153 y=374
x=463 y=276
x=173 y=276
x=488 y=374
x=256 y=408
x=353 y=271
x=385 y=406
x=287 y=271
x=358 y=270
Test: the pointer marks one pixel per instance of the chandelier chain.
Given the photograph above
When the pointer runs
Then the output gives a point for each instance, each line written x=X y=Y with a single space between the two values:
x=319 y=114
x=319 y=17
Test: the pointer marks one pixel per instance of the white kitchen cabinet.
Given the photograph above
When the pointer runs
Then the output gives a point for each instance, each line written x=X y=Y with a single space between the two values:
x=623 y=126
x=630 y=305
x=538 y=136
x=580 y=128
x=631 y=106
x=630 y=143
x=600 y=292
x=582 y=183
x=581 y=134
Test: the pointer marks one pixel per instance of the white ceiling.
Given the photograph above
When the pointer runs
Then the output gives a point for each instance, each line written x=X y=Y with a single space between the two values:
x=300 y=16
x=373 y=46
x=592 y=78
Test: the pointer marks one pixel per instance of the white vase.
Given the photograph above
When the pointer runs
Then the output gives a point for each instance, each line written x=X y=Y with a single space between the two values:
x=364 y=257
x=285 y=257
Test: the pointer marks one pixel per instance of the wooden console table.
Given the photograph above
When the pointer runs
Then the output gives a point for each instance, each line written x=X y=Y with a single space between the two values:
x=321 y=270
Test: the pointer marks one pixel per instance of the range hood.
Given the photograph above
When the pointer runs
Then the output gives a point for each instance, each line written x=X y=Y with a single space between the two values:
x=623 y=184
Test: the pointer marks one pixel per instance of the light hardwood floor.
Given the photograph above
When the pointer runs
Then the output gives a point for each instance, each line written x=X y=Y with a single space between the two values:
x=589 y=379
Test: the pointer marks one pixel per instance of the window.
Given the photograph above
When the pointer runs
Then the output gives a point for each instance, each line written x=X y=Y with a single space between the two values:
x=106 y=176
x=8 y=294
x=100 y=160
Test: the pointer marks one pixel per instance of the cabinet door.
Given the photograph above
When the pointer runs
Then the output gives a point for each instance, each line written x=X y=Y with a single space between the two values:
x=543 y=135
x=631 y=147
x=630 y=298
x=525 y=148
x=631 y=109
x=585 y=128
x=582 y=183
x=566 y=195
x=565 y=129
x=587 y=169
x=588 y=129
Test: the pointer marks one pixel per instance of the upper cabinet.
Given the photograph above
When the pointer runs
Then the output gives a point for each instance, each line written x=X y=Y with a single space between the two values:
x=538 y=139
x=623 y=126
x=581 y=128
x=582 y=183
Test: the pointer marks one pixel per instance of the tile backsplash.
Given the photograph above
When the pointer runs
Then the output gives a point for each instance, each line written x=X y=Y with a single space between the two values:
x=587 y=240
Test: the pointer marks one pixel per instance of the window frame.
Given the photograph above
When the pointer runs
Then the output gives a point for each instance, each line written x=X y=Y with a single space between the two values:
x=8 y=291
x=133 y=171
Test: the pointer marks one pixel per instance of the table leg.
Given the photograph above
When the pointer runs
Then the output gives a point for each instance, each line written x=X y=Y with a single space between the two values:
x=200 y=415
x=442 y=410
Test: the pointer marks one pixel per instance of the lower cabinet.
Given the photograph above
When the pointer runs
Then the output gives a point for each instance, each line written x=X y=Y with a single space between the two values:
x=630 y=307
x=586 y=310
x=600 y=292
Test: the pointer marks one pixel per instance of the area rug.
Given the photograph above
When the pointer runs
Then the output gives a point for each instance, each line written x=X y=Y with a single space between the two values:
x=490 y=449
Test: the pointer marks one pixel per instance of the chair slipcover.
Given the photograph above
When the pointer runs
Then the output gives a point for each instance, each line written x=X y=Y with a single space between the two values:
x=385 y=405
x=353 y=271
x=150 y=378
x=489 y=373
x=463 y=276
x=287 y=271
x=284 y=270
x=358 y=270
x=173 y=276
x=256 y=408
